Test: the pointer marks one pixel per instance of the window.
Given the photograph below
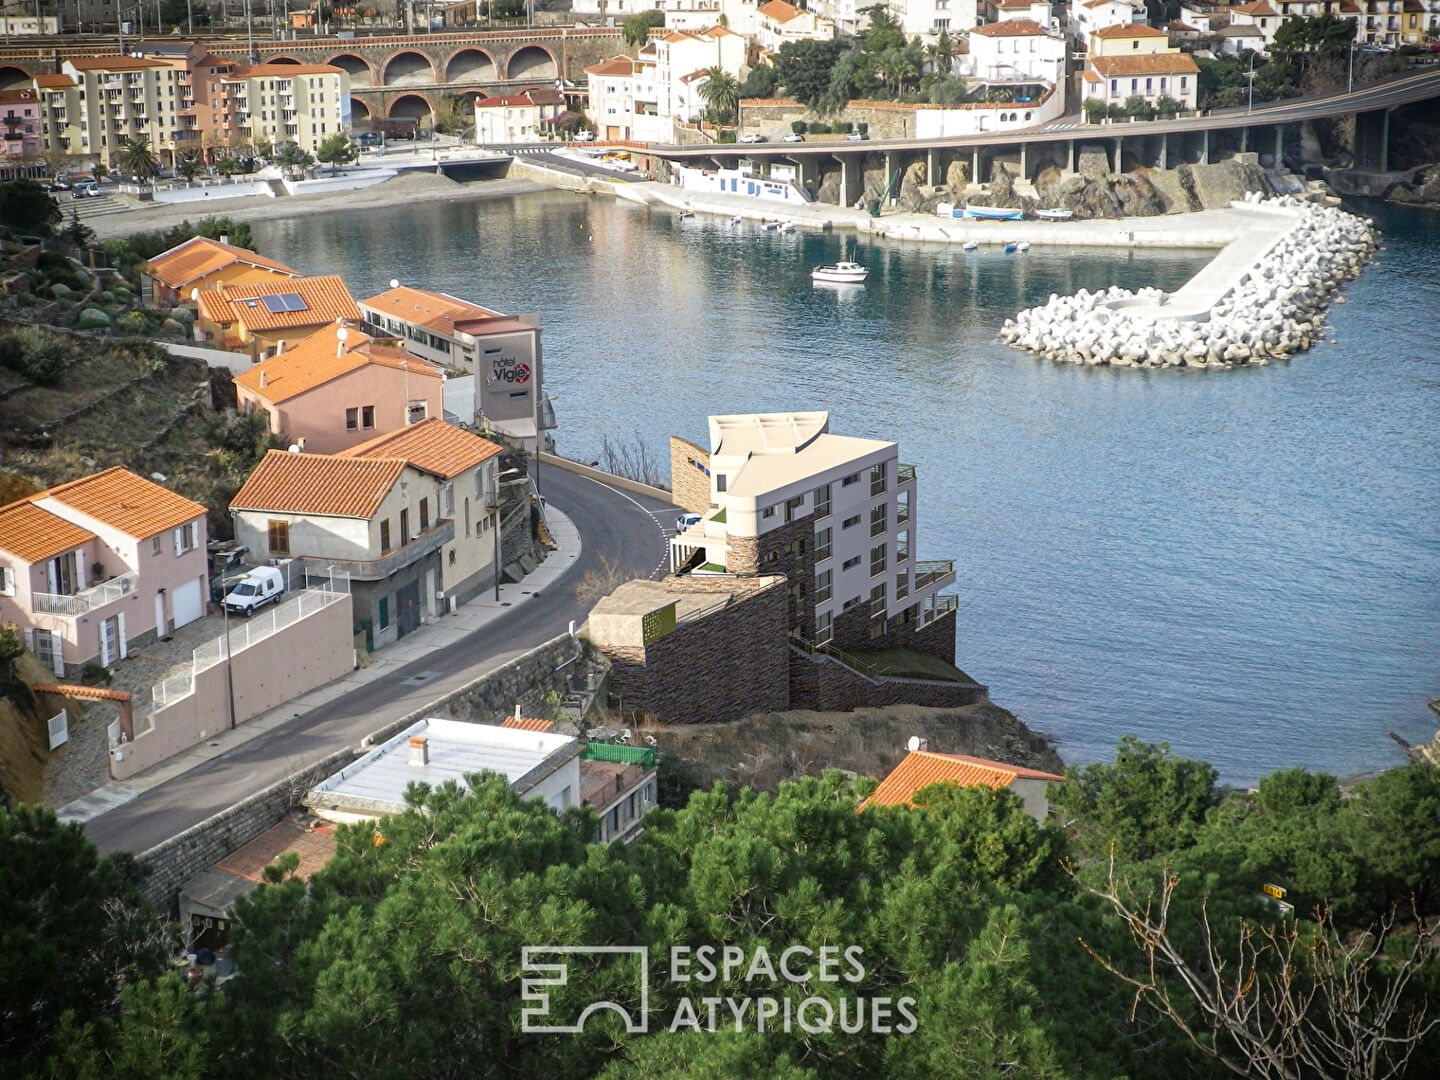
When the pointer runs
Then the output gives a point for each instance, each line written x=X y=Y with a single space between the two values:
x=424 y=514
x=851 y=563
x=7 y=581
x=822 y=545
x=877 y=560
x=719 y=481
x=822 y=586
x=447 y=500
x=187 y=538
x=854 y=519
x=352 y=419
x=879 y=518
x=768 y=512
x=822 y=501
x=822 y=628
x=853 y=478
x=383 y=612
x=278 y=537
x=877 y=599
x=367 y=417
x=384 y=536
x=155 y=545
x=792 y=507
x=405 y=526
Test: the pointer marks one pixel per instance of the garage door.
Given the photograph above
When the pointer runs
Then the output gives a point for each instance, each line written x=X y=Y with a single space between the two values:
x=187 y=603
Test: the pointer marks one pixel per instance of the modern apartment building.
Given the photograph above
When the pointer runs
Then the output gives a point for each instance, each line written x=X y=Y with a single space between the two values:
x=837 y=515
x=96 y=103
x=298 y=103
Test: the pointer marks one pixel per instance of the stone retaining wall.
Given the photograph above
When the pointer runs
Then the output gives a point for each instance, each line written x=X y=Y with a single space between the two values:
x=689 y=475
x=825 y=684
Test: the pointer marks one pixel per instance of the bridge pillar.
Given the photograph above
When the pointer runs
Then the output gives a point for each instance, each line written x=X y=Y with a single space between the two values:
x=1244 y=139
x=1279 y=146
x=848 y=175
x=1164 y=151
x=1385 y=140
x=1024 y=161
x=930 y=167
x=1372 y=139
x=1070 y=155
x=1119 y=154
x=889 y=173
x=1205 y=147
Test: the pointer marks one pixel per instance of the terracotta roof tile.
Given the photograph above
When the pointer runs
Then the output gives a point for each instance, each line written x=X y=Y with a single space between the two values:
x=312 y=362
x=80 y=693
x=1009 y=28
x=1150 y=64
x=326 y=300
x=779 y=10
x=527 y=723
x=323 y=484
x=616 y=65
x=53 y=82
x=33 y=534
x=117 y=497
x=1259 y=7
x=436 y=311
x=1130 y=30
x=113 y=63
x=921 y=768
x=432 y=445
x=200 y=255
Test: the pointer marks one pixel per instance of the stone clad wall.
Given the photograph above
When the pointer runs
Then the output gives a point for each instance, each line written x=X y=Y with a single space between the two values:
x=690 y=486
x=827 y=686
x=851 y=631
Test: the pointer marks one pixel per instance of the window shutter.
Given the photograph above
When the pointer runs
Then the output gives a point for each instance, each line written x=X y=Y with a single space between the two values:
x=30 y=639
x=57 y=654
x=123 y=649
x=178 y=537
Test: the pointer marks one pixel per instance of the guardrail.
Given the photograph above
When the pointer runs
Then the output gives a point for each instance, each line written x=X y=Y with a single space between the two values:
x=77 y=604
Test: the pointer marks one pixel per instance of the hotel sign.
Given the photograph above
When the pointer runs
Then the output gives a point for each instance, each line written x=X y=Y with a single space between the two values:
x=507 y=369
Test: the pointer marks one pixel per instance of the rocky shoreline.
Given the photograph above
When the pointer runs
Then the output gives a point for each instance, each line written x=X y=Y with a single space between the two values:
x=1273 y=308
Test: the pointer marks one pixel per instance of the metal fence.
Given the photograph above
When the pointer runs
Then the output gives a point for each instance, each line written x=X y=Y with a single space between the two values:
x=78 y=604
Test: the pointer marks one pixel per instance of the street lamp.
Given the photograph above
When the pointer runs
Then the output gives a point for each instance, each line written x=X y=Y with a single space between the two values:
x=1350 y=81
x=1250 y=77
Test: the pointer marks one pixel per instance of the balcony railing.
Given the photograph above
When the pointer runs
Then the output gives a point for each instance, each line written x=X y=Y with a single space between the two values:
x=929 y=571
x=80 y=603
x=935 y=606
x=391 y=562
x=905 y=474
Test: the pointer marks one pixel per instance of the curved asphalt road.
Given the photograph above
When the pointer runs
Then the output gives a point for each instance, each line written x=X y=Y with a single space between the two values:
x=631 y=530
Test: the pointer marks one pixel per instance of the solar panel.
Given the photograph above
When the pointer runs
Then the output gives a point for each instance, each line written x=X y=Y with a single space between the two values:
x=284 y=302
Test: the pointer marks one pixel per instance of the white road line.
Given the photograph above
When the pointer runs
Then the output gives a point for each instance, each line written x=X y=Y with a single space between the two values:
x=653 y=515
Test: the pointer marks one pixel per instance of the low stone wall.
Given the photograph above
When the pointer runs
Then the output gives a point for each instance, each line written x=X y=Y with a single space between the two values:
x=689 y=475
x=826 y=685
x=170 y=864
x=772 y=117
x=624 y=483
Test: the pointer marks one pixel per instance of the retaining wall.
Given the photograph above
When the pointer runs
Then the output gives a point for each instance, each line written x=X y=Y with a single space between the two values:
x=622 y=482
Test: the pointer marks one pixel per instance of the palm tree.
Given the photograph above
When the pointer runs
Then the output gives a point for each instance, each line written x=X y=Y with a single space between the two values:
x=940 y=53
x=227 y=166
x=189 y=167
x=721 y=91
x=894 y=67
x=137 y=159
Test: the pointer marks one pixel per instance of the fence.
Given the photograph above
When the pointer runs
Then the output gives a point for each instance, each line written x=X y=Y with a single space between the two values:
x=59 y=727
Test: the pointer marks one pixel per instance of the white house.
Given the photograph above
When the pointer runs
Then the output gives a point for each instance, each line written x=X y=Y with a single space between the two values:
x=1016 y=50
x=778 y=22
x=1261 y=16
x=517 y=118
x=1113 y=79
x=1036 y=11
x=1087 y=16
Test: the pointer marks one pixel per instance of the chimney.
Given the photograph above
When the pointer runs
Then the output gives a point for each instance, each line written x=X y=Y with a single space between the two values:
x=419 y=751
x=262 y=378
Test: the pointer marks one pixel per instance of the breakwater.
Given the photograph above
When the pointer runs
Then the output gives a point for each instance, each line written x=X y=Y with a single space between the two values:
x=1262 y=298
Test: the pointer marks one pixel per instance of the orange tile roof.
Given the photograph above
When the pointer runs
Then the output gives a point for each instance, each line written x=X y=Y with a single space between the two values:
x=326 y=300
x=527 y=723
x=436 y=311
x=616 y=65
x=1151 y=64
x=432 y=445
x=117 y=497
x=80 y=693
x=313 y=361
x=921 y=768
x=1259 y=7
x=200 y=255
x=282 y=71
x=1129 y=30
x=113 y=63
x=779 y=10
x=1010 y=28
x=34 y=535
x=53 y=82
x=323 y=484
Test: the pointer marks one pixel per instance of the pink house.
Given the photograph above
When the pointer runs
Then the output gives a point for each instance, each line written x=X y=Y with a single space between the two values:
x=89 y=568
x=339 y=388
x=21 y=136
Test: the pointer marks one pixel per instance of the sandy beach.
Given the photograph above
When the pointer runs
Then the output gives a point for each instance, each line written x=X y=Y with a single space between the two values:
x=408 y=187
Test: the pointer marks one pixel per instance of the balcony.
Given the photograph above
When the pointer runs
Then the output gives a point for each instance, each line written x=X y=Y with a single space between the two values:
x=391 y=562
x=905 y=474
x=934 y=573
x=81 y=603
x=935 y=606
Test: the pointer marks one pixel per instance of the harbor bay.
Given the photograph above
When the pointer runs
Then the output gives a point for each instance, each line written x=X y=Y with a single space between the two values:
x=1243 y=565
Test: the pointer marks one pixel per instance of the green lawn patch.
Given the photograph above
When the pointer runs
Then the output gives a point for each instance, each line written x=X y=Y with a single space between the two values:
x=909 y=664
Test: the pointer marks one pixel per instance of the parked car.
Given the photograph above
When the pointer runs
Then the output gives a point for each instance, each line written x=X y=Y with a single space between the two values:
x=88 y=190
x=856 y=136
x=752 y=137
x=684 y=521
x=583 y=136
x=262 y=585
x=56 y=185
x=793 y=137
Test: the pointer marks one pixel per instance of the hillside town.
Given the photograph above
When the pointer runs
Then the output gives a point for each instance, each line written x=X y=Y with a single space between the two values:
x=420 y=675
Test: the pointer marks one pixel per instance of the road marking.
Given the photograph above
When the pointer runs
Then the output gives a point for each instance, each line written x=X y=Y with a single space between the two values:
x=651 y=514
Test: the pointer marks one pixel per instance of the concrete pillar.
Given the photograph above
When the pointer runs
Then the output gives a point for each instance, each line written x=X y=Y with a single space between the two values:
x=1384 y=158
x=1205 y=147
x=1071 y=154
x=1164 y=151
x=1024 y=161
x=1279 y=146
x=1244 y=139
x=1119 y=154
x=931 y=168
x=975 y=177
x=889 y=175
x=848 y=173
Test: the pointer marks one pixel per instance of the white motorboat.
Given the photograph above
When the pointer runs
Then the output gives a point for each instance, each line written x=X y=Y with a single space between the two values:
x=686 y=214
x=842 y=273
x=1023 y=245
x=787 y=226
x=971 y=245
x=1054 y=215
x=735 y=220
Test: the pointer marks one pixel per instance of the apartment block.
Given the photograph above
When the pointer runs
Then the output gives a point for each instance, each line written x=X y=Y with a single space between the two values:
x=96 y=103
x=298 y=103
x=21 y=133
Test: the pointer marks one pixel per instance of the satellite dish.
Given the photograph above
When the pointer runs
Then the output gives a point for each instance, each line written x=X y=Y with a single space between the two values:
x=195 y=294
x=394 y=282
x=915 y=743
x=294 y=448
x=341 y=334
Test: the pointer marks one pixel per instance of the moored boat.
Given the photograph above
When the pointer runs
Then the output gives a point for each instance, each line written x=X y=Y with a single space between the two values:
x=995 y=213
x=1054 y=215
x=843 y=273
x=1010 y=248
x=971 y=245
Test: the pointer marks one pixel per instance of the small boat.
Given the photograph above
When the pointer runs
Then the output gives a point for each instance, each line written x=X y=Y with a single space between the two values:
x=1022 y=246
x=995 y=213
x=1010 y=248
x=787 y=226
x=971 y=245
x=844 y=273
x=686 y=213
x=735 y=220
x=1054 y=215
x=770 y=226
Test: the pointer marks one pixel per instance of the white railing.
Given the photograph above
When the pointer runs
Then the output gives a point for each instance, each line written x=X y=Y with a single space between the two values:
x=74 y=606
x=59 y=726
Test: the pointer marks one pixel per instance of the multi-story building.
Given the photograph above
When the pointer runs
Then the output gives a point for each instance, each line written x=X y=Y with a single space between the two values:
x=778 y=22
x=1016 y=50
x=642 y=99
x=89 y=568
x=302 y=104
x=623 y=101
x=22 y=25
x=1113 y=79
x=1260 y=16
x=207 y=121
x=1088 y=16
x=502 y=352
x=96 y=103
x=21 y=127
x=836 y=515
x=410 y=517
x=1037 y=11
x=1129 y=39
x=263 y=317
x=517 y=118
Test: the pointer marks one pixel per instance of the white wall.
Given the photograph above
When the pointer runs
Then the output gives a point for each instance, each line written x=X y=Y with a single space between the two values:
x=938 y=123
x=734 y=182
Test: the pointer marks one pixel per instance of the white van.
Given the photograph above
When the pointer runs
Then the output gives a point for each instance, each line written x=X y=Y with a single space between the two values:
x=261 y=586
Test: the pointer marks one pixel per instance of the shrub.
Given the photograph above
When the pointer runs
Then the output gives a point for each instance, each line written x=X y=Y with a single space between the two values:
x=819 y=127
x=863 y=128
x=92 y=319
x=726 y=137
x=36 y=354
x=182 y=314
x=799 y=127
x=106 y=297
x=135 y=323
x=174 y=328
x=60 y=291
x=1095 y=111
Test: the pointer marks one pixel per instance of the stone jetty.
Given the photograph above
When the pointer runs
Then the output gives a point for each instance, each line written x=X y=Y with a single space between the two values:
x=1262 y=298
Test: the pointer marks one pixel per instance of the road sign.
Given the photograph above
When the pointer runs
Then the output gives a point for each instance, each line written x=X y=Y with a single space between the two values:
x=1273 y=890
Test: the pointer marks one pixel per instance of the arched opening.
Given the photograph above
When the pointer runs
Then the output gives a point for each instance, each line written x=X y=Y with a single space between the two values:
x=409 y=69
x=413 y=107
x=360 y=73
x=360 y=118
x=12 y=77
x=470 y=66
x=281 y=60
x=532 y=62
